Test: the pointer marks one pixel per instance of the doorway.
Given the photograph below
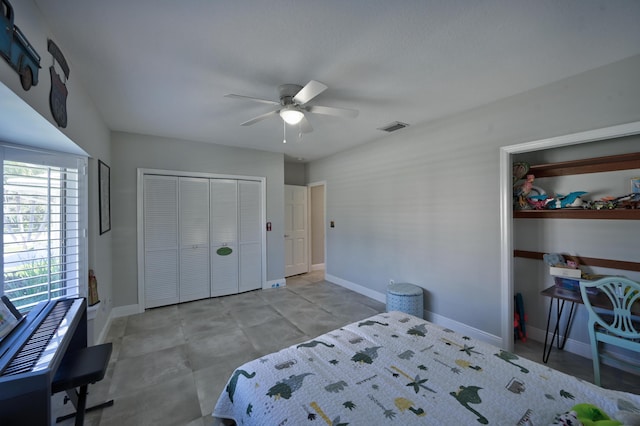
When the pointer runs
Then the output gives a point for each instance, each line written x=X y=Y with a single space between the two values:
x=317 y=228
x=305 y=229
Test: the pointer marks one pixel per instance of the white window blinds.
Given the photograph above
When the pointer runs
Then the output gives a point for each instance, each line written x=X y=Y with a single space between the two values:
x=43 y=227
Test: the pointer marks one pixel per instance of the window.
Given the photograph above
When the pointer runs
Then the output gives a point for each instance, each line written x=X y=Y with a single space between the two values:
x=43 y=227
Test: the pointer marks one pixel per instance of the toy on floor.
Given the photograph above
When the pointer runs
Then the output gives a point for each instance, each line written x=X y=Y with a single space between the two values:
x=519 y=319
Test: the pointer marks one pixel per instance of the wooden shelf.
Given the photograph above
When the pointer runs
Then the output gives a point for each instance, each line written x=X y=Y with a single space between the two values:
x=615 y=214
x=589 y=165
x=588 y=261
x=610 y=163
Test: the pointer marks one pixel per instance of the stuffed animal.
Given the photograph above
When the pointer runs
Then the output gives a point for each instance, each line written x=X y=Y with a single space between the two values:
x=587 y=415
x=590 y=415
x=553 y=259
x=570 y=200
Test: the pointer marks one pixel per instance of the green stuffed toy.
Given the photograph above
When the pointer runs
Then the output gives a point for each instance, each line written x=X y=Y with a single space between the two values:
x=590 y=415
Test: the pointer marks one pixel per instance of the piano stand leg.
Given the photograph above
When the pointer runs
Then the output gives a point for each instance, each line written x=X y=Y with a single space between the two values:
x=79 y=400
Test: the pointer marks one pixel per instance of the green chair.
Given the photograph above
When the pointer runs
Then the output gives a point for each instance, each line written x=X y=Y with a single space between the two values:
x=613 y=304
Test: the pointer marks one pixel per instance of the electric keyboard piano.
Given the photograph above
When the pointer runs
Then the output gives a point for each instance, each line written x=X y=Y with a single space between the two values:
x=31 y=354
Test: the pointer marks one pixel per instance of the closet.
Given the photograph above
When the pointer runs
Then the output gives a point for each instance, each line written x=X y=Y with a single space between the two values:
x=201 y=236
x=603 y=240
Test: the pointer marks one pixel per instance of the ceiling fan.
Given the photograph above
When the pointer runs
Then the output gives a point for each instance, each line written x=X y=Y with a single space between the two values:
x=293 y=105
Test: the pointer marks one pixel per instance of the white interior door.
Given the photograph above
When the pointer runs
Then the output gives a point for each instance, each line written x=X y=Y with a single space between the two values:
x=224 y=237
x=193 y=213
x=295 y=230
x=160 y=240
x=250 y=235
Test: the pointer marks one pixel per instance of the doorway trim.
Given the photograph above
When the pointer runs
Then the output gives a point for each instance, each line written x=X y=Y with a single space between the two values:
x=506 y=209
x=324 y=225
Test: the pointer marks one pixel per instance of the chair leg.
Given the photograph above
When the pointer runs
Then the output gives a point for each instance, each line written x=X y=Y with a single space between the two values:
x=595 y=356
x=596 y=371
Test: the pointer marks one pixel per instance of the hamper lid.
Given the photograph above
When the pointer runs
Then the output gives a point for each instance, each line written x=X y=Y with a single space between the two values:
x=404 y=289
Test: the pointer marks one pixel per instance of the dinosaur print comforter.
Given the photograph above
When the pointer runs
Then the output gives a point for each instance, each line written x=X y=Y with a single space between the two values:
x=394 y=368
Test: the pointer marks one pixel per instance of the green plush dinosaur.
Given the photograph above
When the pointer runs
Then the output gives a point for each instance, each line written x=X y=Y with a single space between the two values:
x=590 y=415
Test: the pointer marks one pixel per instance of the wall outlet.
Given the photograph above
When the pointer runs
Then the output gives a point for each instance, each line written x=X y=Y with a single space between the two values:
x=391 y=282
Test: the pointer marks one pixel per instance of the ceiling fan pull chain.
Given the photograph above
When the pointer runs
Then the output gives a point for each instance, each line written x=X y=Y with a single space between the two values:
x=284 y=131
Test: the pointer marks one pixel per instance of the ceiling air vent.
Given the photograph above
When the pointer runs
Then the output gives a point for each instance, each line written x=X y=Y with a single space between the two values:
x=392 y=127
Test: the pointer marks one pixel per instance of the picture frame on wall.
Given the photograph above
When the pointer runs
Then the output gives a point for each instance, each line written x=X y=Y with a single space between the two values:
x=104 y=196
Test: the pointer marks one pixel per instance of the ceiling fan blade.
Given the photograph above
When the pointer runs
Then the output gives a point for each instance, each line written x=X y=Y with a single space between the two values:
x=335 y=111
x=249 y=98
x=308 y=92
x=259 y=118
x=305 y=126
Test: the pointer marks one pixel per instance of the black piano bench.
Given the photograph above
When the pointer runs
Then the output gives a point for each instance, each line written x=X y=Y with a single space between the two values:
x=77 y=370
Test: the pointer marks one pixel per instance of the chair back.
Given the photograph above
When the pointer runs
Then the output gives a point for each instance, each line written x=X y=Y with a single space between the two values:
x=617 y=295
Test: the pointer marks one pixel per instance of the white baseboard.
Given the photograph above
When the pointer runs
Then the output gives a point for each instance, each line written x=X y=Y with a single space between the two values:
x=429 y=316
x=120 y=311
x=125 y=311
x=282 y=282
x=382 y=298
x=463 y=329
x=103 y=333
x=573 y=346
x=317 y=267
x=582 y=349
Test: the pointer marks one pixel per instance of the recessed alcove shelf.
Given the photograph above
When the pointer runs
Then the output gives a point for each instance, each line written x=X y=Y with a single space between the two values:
x=610 y=163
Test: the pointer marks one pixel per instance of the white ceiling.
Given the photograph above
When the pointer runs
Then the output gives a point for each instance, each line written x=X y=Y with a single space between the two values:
x=162 y=67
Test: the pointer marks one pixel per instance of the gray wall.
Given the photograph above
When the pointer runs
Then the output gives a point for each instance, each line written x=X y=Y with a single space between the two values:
x=294 y=173
x=85 y=128
x=133 y=151
x=422 y=205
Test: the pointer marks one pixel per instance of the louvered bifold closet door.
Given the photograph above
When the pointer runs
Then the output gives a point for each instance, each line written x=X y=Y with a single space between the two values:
x=250 y=235
x=224 y=237
x=194 y=238
x=160 y=240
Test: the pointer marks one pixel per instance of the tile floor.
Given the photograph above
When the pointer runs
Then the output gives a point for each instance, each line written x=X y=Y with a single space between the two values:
x=170 y=364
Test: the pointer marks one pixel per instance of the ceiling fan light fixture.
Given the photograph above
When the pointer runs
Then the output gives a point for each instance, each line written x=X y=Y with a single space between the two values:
x=291 y=115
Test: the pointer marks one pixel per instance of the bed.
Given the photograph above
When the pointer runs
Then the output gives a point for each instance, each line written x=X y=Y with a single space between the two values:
x=394 y=368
